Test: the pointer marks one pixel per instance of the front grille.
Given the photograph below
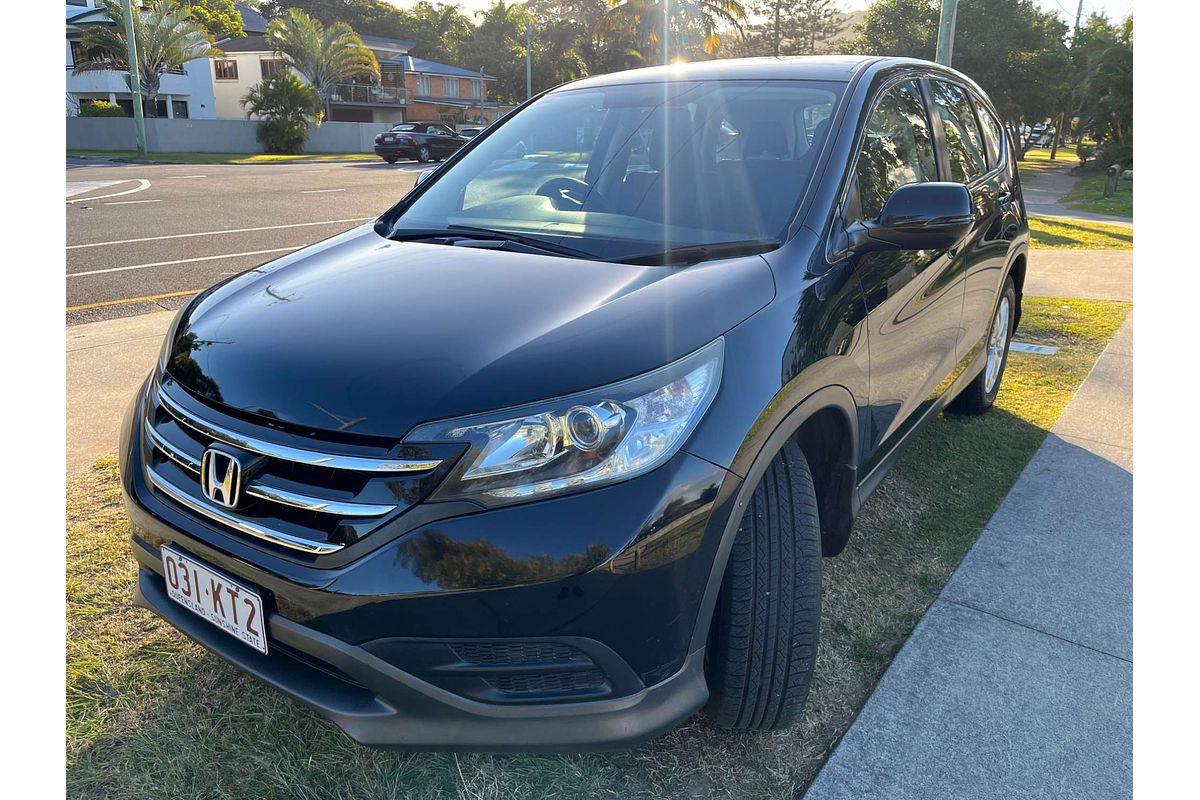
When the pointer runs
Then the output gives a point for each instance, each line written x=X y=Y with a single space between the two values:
x=299 y=493
x=547 y=682
x=516 y=653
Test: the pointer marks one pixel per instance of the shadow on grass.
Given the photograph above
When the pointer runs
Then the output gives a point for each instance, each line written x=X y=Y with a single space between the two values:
x=1059 y=232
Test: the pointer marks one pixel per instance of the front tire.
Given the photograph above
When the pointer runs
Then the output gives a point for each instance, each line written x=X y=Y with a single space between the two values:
x=424 y=155
x=981 y=392
x=768 y=617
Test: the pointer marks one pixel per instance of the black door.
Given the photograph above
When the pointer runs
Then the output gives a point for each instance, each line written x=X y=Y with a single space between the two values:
x=983 y=254
x=913 y=298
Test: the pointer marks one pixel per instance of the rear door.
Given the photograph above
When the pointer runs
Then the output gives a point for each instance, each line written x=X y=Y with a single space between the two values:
x=914 y=298
x=982 y=259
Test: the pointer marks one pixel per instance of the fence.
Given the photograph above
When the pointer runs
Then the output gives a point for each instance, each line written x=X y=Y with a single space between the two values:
x=211 y=135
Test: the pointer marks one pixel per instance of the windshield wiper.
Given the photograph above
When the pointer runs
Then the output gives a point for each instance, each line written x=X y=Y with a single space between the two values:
x=458 y=232
x=695 y=253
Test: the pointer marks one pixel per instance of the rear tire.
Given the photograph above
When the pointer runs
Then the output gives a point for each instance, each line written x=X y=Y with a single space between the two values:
x=768 y=618
x=981 y=392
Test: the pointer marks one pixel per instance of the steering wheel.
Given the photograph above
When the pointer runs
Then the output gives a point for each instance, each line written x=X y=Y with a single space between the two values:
x=567 y=194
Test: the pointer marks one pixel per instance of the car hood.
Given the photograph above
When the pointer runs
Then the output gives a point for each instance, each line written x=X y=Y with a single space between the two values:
x=366 y=335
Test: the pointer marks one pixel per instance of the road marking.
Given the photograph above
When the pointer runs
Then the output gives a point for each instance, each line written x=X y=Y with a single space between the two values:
x=321 y=191
x=218 y=233
x=147 y=299
x=143 y=185
x=181 y=261
x=79 y=187
x=130 y=202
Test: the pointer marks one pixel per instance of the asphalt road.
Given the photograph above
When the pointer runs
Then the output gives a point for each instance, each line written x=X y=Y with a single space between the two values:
x=144 y=237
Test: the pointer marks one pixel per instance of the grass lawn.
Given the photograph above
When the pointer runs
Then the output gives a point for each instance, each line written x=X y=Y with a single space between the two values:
x=1079 y=235
x=222 y=158
x=1039 y=159
x=150 y=715
x=1088 y=195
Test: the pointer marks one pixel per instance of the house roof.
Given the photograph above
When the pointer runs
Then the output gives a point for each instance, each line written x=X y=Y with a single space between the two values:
x=398 y=44
x=414 y=64
x=88 y=15
x=252 y=21
x=255 y=43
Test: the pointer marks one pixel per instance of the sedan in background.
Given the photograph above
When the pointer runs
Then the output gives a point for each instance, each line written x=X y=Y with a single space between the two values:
x=424 y=141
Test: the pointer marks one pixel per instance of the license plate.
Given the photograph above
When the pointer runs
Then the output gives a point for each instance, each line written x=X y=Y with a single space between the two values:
x=389 y=138
x=224 y=602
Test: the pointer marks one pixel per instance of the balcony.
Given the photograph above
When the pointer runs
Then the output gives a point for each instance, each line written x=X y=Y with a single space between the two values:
x=362 y=94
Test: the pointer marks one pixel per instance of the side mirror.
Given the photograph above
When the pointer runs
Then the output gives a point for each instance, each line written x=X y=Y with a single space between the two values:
x=423 y=175
x=918 y=216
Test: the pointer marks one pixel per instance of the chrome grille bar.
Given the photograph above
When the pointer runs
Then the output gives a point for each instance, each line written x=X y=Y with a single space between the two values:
x=298 y=455
x=296 y=500
x=274 y=493
x=238 y=524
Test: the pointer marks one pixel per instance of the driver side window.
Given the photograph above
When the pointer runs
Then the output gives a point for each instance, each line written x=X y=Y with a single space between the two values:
x=897 y=149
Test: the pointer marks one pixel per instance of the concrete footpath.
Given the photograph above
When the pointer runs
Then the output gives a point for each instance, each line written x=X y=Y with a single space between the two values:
x=1044 y=188
x=106 y=362
x=1017 y=683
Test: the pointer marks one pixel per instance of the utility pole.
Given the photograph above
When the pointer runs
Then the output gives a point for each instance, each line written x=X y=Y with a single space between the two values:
x=135 y=80
x=528 y=61
x=945 y=40
x=1062 y=116
x=666 y=32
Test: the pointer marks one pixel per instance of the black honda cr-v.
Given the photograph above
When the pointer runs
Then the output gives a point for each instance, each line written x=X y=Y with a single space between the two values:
x=547 y=457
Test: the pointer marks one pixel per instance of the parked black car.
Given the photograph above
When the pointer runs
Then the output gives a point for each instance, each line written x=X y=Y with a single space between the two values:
x=548 y=455
x=424 y=141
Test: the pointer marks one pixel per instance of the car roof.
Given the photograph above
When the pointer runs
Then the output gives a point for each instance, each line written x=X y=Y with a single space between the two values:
x=837 y=68
x=820 y=68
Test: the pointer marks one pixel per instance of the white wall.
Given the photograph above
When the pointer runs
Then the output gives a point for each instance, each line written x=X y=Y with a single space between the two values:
x=210 y=135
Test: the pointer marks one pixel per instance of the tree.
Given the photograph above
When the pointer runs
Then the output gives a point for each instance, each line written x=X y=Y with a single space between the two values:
x=1103 y=58
x=286 y=105
x=373 y=17
x=324 y=55
x=166 y=37
x=690 y=22
x=789 y=27
x=1015 y=51
x=219 y=17
x=437 y=31
x=497 y=45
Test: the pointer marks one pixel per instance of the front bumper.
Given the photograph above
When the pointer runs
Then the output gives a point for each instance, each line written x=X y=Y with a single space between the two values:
x=616 y=575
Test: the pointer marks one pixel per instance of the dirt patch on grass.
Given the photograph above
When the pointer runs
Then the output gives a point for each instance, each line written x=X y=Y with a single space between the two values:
x=149 y=715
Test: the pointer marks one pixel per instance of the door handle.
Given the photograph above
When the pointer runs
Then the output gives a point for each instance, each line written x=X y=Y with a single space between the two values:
x=1004 y=199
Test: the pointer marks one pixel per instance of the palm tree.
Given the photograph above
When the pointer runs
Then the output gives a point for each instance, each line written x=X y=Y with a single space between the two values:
x=325 y=56
x=285 y=104
x=166 y=38
x=643 y=21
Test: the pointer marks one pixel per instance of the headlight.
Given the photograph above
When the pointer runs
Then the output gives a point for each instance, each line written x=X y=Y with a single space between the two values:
x=582 y=441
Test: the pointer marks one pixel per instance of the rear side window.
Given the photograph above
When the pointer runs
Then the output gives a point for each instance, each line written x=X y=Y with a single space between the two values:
x=992 y=134
x=964 y=146
x=896 y=150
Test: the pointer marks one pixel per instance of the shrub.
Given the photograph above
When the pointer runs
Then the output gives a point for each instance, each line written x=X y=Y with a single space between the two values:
x=100 y=108
x=280 y=135
x=287 y=106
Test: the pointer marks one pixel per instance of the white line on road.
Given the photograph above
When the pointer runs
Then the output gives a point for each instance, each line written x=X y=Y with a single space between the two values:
x=320 y=191
x=143 y=185
x=130 y=202
x=181 y=261
x=218 y=233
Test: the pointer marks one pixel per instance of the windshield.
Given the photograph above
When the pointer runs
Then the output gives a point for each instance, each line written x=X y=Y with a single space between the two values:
x=626 y=169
